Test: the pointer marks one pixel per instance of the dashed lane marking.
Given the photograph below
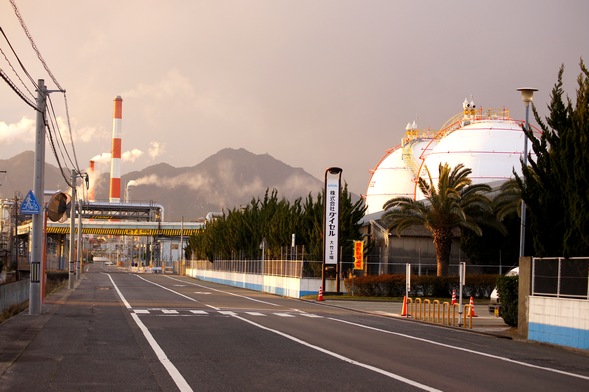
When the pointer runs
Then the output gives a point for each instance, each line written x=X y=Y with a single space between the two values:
x=199 y=312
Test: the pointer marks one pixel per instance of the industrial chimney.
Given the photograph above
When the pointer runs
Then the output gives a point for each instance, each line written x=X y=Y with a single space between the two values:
x=91 y=174
x=115 y=162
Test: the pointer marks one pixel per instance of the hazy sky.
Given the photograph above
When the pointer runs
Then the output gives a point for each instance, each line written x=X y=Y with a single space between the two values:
x=314 y=83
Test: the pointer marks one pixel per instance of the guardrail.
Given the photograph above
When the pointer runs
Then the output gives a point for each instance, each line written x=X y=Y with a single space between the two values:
x=439 y=313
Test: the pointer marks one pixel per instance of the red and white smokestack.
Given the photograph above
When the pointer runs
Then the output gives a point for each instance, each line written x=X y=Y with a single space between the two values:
x=115 y=161
x=91 y=194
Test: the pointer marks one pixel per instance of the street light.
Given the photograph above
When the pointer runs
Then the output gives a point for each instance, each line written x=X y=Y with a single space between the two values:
x=527 y=97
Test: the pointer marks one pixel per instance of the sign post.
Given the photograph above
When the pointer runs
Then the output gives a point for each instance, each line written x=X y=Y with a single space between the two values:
x=331 y=222
x=359 y=255
x=462 y=274
x=407 y=279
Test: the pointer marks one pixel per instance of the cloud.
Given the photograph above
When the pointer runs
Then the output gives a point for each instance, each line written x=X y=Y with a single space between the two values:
x=23 y=131
x=131 y=155
x=173 y=84
x=156 y=149
x=89 y=134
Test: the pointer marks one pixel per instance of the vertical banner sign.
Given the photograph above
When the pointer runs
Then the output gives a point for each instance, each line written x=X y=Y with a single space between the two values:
x=358 y=255
x=331 y=224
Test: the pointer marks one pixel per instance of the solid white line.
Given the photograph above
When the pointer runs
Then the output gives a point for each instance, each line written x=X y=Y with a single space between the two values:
x=462 y=349
x=343 y=358
x=161 y=355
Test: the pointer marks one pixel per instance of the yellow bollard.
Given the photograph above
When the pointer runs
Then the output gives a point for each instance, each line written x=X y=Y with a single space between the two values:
x=417 y=308
x=435 y=305
x=410 y=307
x=452 y=322
x=467 y=313
x=426 y=309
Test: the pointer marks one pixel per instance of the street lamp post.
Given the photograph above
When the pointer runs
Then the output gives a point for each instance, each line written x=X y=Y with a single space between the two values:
x=527 y=97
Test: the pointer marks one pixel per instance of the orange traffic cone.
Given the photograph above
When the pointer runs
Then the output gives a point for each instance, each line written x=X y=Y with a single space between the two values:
x=320 y=296
x=472 y=314
x=453 y=297
x=404 y=310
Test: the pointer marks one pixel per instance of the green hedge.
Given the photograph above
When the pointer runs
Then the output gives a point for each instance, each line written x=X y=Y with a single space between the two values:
x=508 y=290
x=478 y=286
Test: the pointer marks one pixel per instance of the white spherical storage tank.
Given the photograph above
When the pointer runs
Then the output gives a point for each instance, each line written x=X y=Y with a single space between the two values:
x=488 y=142
x=491 y=149
x=394 y=175
x=389 y=179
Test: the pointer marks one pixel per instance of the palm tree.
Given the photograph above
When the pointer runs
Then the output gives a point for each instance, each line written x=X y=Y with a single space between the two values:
x=454 y=203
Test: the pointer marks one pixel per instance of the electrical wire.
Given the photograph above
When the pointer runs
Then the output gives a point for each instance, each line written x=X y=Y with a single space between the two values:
x=17 y=91
x=58 y=134
x=20 y=63
x=51 y=125
x=29 y=36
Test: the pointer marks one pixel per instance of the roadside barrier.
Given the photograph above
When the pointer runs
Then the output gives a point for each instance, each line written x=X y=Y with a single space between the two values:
x=472 y=313
x=439 y=313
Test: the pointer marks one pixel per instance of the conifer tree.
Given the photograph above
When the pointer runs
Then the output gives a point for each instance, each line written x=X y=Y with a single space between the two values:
x=555 y=185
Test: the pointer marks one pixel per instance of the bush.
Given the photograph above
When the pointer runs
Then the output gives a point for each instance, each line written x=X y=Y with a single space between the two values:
x=508 y=290
x=55 y=281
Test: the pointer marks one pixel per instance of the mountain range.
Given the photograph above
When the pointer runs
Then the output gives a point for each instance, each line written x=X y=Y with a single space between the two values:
x=226 y=180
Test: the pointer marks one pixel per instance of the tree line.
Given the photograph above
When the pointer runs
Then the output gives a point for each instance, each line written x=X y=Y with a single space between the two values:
x=238 y=233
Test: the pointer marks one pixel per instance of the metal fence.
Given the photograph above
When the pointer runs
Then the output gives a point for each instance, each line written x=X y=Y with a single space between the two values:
x=310 y=269
x=560 y=277
x=285 y=268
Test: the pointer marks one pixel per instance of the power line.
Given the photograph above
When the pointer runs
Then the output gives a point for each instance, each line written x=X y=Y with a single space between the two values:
x=51 y=124
x=19 y=62
x=24 y=26
x=17 y=91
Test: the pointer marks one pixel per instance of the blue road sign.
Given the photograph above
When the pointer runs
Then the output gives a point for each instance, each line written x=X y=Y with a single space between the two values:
x=30 y=205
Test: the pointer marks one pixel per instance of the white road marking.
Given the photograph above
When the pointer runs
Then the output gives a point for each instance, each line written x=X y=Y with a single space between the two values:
x=381 y=371
x=343 y=358
x=225 y=292
x=161 y=355
x=255 y=314
x=198 y=312
x=284 y=314
x=351 y=361
x=463 y=349
x=166 y=311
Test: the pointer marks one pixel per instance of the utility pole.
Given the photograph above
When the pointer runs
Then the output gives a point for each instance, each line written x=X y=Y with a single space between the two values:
x=38 y=191
x=72 y=230
x=80 y=242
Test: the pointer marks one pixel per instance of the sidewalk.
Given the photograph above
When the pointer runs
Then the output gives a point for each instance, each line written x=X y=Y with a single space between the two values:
x=80 y=341
x=484 y=322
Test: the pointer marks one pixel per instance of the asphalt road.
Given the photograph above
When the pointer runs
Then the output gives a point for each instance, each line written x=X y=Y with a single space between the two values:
x=120 y=331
